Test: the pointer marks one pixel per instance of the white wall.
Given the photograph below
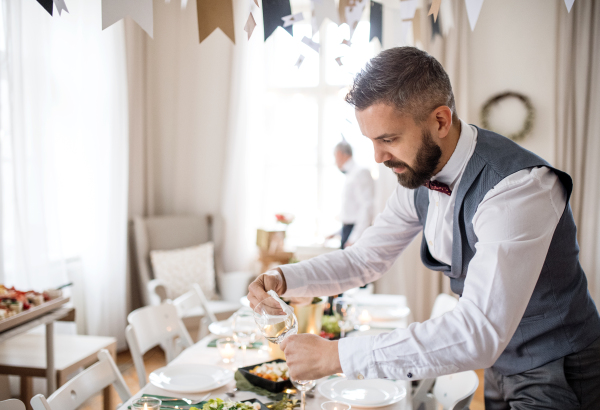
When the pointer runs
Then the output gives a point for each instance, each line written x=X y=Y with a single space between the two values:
x=513 y=47
x=188 y=102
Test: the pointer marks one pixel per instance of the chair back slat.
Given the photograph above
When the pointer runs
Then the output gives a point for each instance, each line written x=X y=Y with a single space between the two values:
x=456 y=389
x=12 y=404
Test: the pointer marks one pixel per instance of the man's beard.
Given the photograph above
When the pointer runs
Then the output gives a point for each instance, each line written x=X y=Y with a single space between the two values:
x=428 y=158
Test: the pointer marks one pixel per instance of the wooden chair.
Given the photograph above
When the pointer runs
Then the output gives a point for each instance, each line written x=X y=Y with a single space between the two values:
x=25 y=356
x=83 y=386
x=456 y=391
x=151 y=326
x=12 y=404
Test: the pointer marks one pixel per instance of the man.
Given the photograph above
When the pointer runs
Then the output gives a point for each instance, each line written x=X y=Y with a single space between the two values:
x=495 y=218
x=357 y=196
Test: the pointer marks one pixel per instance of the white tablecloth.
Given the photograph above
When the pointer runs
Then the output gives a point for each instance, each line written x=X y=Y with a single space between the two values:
x=201 y=354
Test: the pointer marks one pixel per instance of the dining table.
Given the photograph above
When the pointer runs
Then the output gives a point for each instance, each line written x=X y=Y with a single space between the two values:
x=201 y=353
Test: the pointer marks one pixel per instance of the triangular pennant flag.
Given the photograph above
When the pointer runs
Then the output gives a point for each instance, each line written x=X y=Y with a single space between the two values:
x=322 y=9
x=347 y=42
x=213 y=14
x=273 y=11
x=292 y=19
x=569 y=4
x=139 y=10
x=473 y=10
x=447 y=21
x=47 y=4
x=435 y=28
x=342 y=10
x=250 y=25
x=376 y=21
x=435 y=9
x=312 y=44
x=299 y=61
x=60 y=6
x=354 y=13
x=339 y=61
x=256 y=2
x=408 y=9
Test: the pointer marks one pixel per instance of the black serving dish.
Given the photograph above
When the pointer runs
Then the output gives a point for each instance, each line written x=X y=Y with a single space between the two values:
x=273 y=387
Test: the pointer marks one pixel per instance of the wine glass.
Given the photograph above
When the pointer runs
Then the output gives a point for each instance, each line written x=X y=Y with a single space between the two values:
x=344 y=309
x=304 y=386
x=244 y=330
x=277 y=321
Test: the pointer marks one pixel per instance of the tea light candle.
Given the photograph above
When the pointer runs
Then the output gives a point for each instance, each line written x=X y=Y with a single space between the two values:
x=364 y=318
x=227 y=349
x=146 y=403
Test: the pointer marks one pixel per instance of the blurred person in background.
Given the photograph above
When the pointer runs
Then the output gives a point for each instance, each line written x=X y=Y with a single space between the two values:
x=357 y=196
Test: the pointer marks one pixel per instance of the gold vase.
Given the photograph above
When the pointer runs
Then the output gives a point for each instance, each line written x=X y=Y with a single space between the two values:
x=309 y=321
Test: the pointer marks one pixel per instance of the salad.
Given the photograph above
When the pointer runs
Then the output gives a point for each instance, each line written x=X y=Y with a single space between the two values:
x=275 y=372
x=219 y=404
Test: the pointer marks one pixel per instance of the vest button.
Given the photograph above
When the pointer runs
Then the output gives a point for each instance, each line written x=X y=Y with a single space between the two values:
x=409 y=375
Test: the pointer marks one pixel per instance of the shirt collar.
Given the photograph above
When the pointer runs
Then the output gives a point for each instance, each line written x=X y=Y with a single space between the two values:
x=348 y=165
x=457 y=162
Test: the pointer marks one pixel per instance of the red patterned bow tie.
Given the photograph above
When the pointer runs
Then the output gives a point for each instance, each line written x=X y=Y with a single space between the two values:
x=438 y=186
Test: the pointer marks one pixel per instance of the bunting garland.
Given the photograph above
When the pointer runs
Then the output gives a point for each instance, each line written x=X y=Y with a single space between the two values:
x=60 y=6
x=322 y=9
x=473 y=10
x=354 y=13
x=435 y=9
x=273 y=12
x=213 y=14
x=569 y=4
x=139 y=10
x=46 y=4
x=376 y=21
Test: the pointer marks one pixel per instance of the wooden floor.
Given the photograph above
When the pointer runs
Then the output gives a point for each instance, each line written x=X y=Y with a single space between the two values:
x=155 y=359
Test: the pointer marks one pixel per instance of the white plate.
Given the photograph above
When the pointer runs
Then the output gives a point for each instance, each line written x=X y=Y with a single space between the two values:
x=190 y=378
x=363 y=393
x=221 y=328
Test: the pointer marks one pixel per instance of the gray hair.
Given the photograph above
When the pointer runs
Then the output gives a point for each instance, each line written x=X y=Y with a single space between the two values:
x=344 y=148
x=407 y=78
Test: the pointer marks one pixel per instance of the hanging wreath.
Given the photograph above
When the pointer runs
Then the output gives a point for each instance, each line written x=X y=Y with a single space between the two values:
x=495 y=100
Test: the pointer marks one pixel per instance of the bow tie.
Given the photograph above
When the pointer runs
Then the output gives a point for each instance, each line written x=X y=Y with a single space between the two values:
x=438 y=186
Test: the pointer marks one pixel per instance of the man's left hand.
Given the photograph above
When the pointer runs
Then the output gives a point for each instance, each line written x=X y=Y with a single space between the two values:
x=310 y=357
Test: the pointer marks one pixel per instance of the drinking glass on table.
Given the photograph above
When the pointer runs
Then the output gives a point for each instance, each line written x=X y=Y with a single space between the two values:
x=244 y=330
x=344 y=309
x=276 y=321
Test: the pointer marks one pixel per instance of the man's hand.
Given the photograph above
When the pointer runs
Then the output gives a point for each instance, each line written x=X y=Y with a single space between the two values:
x=310 y=357
x=271 y=280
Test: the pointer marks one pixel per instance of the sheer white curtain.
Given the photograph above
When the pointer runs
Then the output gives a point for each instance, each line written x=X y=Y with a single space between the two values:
x=64 y=154
x=243 y=185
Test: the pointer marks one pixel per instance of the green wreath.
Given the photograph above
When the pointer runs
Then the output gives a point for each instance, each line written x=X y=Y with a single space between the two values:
x=527 y=125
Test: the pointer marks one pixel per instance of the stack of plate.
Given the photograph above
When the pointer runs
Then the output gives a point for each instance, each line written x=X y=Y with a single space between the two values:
x=363 y=393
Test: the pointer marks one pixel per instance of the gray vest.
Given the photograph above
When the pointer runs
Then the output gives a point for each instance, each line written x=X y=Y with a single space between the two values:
x=561 y=317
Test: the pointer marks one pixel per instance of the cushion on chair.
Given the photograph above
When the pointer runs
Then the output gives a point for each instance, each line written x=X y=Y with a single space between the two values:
x=179 y=268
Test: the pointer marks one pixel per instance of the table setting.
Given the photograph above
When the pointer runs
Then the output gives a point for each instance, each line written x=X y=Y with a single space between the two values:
x=241 y=367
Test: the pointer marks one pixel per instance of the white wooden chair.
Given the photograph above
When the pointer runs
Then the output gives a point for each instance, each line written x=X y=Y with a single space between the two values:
x=151 y=326
x=12 y=404
x=195 y=303
x=83 y=386
x=456 y=391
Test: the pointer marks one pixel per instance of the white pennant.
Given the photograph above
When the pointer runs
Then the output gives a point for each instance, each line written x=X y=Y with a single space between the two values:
x=312 y=44
x=473 y=10
x=447 y=21
x=354 y=14
x=408 y=9
x=322 y=9
x=60 y=6
x=569 y=4
x=139 y=10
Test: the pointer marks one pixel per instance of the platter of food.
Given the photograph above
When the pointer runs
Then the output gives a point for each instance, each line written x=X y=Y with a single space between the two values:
x=219 y=404
x=271 y=376
x=17 y=307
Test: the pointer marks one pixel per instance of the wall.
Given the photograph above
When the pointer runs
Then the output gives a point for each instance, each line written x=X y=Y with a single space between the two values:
x=513 y=47
x=187 y=109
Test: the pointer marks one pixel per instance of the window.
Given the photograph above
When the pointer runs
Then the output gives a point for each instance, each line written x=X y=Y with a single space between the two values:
x=306 y=117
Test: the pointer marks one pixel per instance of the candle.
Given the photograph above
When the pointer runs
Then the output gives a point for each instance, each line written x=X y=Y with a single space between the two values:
x=364 y=318
x=227 y=349
x=146 y=403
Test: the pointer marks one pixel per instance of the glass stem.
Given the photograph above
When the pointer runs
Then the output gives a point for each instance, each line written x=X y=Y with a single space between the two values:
x=243 y=355
x=303 y=402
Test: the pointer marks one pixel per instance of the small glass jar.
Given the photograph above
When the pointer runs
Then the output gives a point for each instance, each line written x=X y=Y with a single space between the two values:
x=335 y=405
x=227 y=349
x=146 y=403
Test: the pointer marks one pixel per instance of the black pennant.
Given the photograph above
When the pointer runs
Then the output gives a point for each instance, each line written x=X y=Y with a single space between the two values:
x=435 y=27
x=47 y=4
x=376 y=21
x=273 y=11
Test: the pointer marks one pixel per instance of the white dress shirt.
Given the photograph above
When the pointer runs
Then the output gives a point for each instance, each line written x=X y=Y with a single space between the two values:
x=514 y=225
x=357 y=199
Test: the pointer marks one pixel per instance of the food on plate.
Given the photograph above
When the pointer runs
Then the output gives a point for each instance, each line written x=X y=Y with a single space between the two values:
x=274 y=371
x=14 y=301
x=330 y=327
x=219 y=404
